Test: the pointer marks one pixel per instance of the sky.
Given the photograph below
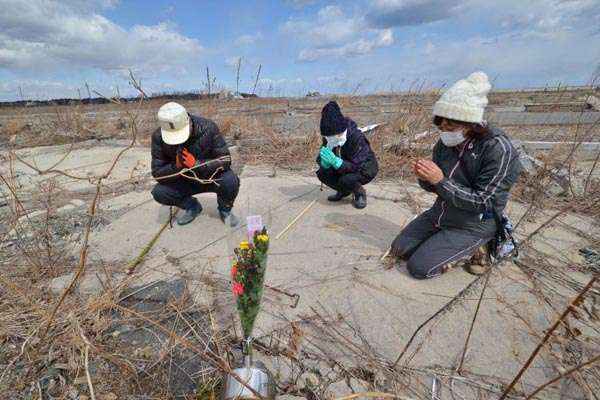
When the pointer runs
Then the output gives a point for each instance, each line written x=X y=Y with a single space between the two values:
x=51 y=49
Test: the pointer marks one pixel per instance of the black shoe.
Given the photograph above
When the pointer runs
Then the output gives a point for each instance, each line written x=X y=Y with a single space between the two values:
x=229 y=218
x=359 y=198
x=190 y=213
x=337 y=196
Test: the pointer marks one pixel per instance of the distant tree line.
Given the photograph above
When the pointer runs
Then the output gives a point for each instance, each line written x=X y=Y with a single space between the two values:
x=102 y=100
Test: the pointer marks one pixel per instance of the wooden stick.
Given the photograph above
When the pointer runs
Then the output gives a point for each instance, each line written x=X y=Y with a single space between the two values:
x=549 y=332
x=563 y=375
x=132 y=266
x=287 y=228
x=87 y=372
x=371 y=395
x=387 y=253
x=466 y=347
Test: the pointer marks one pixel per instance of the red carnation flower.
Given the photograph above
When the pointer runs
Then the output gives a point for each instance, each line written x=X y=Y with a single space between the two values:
x=238 y=288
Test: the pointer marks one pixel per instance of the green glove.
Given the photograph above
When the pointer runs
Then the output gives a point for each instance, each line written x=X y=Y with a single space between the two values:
x=337 y=162
x=330 y=158
x=325 y=158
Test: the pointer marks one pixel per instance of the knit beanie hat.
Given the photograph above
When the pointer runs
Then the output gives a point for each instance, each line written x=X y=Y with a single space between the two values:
x=332 y=120
x=466 y=100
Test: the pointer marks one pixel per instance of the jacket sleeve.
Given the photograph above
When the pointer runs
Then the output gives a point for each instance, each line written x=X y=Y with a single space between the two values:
x=426 y=186
x=219 y=149
x=491 y=180
x=161 y=165
x=360 y=153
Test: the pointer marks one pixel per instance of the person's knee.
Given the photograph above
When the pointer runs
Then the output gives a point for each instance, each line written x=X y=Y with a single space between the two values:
x=404 y=246
x=322 y=175
x=349 y=181
x=158 y=193
x=418 y=269
x=230 y=181
x=229 y=185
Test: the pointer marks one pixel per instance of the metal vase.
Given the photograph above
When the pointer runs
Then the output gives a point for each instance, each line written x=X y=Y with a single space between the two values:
x=254 y=375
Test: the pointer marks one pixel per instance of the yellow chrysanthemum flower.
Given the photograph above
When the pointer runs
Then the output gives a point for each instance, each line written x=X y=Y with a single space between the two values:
x=262 y=238
x=244 y=245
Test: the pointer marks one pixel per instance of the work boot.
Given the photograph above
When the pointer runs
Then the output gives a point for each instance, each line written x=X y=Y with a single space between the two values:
x=359 y=198
x=192 y=209
x=338 y=196
x=228 y=217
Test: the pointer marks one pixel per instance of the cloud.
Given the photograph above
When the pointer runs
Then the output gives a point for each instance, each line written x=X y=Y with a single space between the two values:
x=330 y=27
x=36 y=89
x=300 y=3
x=233 y=61
x=334 y=34
x=547 y=16
x=248 y=40
x=362 y=46
x=69 y=34
x=392 y=13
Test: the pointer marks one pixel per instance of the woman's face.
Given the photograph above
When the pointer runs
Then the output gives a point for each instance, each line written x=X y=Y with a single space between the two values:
x=448 y=126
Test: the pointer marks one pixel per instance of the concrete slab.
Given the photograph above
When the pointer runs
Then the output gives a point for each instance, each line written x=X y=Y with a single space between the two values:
x=331 y=258
x=85 y=159
x=543 y=118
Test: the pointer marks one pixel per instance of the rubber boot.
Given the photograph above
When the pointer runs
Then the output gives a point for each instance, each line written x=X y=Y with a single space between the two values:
x=192 y=210
x=359 y=198
x=338 y=196
x=228 y=217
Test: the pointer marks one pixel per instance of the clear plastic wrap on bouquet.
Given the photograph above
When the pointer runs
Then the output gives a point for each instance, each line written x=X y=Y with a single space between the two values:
x=248 y=244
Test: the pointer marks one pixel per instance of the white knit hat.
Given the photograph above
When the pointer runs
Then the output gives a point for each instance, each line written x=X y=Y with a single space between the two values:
x=466 y=100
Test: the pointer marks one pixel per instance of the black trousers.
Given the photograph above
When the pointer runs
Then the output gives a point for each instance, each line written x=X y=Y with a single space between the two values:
x=179 y=192
x=343 y=183
x=428 y=248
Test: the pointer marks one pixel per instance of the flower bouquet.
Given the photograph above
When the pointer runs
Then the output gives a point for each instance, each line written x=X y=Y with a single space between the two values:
x=247 y=278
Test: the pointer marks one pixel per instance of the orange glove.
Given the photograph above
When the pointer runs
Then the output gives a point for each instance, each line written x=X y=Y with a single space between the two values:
x=188 y=158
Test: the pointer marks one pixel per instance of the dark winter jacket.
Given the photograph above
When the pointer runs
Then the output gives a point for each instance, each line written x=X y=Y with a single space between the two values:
x=356 y=153
x=205 y=143
x=478 y=176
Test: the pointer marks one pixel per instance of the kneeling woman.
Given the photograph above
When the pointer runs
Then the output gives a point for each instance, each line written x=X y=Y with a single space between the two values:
x=473 y=169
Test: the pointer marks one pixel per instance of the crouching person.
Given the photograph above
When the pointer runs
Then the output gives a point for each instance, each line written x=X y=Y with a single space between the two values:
x=473 y=169
x=346 y=160
x=184 y=141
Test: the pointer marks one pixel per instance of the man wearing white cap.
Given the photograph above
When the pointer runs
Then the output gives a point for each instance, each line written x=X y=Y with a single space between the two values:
x=190 y=156
x=473 y=169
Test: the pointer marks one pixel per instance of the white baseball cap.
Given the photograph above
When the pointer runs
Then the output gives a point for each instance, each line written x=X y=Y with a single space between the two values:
x=174 y=123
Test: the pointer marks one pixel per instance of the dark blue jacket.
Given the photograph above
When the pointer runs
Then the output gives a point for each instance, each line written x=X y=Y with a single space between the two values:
x=478 y=176
x=205 y=143
x=356 y=153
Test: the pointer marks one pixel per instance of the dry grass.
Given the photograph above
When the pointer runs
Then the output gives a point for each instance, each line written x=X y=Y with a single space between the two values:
x=64 y=345
x=263 y=143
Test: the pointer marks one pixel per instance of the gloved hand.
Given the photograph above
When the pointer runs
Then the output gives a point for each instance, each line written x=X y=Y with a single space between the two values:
x=330 y=158
x=188 y=159
x=325 y=160
x=324 y=164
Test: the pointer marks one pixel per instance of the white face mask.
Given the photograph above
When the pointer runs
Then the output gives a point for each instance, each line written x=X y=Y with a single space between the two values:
x=336 y=140
x=452 y=139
